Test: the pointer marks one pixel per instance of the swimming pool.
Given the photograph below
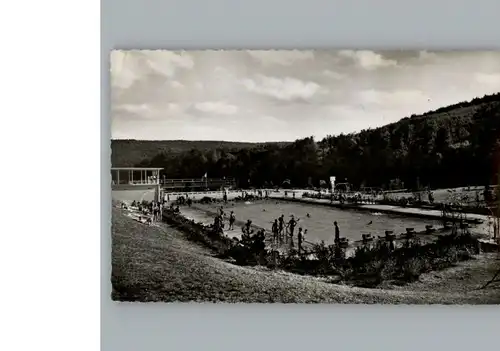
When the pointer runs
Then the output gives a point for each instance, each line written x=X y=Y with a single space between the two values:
x=352 y=223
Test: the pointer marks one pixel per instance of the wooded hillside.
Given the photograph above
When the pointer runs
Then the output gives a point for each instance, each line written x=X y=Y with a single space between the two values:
x=453 y=146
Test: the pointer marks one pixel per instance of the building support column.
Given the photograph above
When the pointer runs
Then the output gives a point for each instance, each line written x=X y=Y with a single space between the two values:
x=157 y=193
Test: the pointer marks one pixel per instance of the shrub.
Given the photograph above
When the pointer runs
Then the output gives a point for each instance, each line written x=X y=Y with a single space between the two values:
x=206 y=200
x=251 y=250
x=388 y=270
x=322 y=251
x=325 y=258
x=411 y=269
x=369 y=266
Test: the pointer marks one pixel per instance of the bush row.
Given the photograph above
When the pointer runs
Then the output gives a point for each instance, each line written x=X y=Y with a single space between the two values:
x=370 y=265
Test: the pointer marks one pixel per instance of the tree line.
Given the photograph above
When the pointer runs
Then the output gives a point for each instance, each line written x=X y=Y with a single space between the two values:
x=453 y=146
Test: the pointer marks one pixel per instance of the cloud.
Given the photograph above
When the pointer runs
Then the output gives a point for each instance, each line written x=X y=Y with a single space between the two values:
x=166 y=62
x=491 y=80
x=333 y=74
x=173 y=107
x=127 y=66
x=176 y=84
x=366 y=59
x=391 y=99
x=427 y=56
x=123 y=69
x=146 y=111
x=137 y=109
x=217 y=107
x=282 y=95
x=280 y=57
x=286 y=89
x=221 y=72
x=269 y=121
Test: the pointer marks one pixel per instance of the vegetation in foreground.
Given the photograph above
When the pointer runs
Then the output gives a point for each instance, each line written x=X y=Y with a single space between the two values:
x=159 y=264
x=370 y=266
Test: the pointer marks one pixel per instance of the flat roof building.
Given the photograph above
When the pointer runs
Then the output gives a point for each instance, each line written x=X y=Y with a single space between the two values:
x=135 y=183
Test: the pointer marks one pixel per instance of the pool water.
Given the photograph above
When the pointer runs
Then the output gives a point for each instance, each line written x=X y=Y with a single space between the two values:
x=352 y=224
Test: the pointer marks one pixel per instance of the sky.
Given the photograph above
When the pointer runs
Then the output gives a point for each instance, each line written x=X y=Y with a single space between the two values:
x=257 y=96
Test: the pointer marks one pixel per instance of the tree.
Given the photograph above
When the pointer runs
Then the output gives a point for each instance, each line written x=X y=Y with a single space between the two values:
x=433 y=147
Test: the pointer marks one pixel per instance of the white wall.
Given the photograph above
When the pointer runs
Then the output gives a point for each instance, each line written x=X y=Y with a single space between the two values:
x=138 y=193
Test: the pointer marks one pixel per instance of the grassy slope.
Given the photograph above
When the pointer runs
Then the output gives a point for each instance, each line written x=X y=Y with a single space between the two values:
x=127 y=153
x=159 y=264
x=461 y=279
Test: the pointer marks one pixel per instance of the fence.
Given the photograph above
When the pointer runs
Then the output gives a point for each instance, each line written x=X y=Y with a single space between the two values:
x=171 y=184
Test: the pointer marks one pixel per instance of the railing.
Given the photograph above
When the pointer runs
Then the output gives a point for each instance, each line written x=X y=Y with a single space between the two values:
x=134 y=182
x=196 y=183
x=184 y=193
x=167 y=181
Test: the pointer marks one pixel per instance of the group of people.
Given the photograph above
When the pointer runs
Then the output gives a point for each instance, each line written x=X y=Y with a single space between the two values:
x=175 y=209
x=181 y=200
x=152 y=210
x=284 y=232
x=219 y=220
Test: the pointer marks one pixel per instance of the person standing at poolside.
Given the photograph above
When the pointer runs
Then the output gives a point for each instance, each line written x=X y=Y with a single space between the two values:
x=156 y=212
x=232 y=219
x=281 y=226
x=275 y=230
x=291 y=225
x=337 y=232
x=300 y=238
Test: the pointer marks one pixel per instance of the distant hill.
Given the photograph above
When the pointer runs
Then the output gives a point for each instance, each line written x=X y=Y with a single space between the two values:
x=128 y=153
x=456 y=145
